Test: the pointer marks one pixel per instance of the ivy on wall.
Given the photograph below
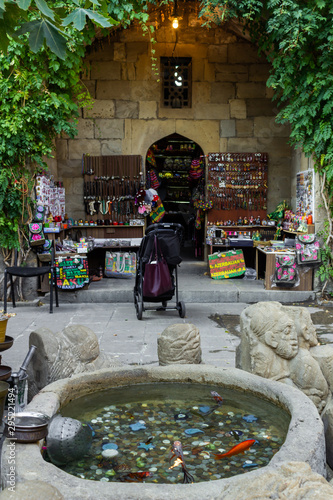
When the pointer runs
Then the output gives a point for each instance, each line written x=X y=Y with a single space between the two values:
x=42 y=46
x=297 y=38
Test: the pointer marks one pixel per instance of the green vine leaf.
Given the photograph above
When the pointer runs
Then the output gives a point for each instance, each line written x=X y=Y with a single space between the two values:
x=23 y=4
x=42 y=6
x=42 y=30
x=78 y=19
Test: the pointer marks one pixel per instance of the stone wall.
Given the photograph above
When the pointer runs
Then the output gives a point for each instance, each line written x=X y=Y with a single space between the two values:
x=231 y=108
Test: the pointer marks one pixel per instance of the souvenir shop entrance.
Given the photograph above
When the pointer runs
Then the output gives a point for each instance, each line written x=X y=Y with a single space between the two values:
x=175 y=168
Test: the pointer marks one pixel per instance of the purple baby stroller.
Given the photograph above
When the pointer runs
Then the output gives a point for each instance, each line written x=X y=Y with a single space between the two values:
x=162 y=241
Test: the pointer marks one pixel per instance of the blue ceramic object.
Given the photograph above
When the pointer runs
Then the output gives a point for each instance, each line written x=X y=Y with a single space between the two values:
x=204 y=409
x=137 y=426
x=145 y=446
x=110 y=446
x=250 y=418
x=192 y=432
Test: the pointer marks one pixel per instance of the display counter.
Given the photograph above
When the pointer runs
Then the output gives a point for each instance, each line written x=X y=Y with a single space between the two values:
x=266 y=259
x=237 y=237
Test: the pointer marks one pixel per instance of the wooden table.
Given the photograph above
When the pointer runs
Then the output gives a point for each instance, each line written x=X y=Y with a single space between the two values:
x=305 y=273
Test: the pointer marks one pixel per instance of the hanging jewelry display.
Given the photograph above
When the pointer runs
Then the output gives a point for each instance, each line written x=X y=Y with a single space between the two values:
x=237 y=185
x=110 y=185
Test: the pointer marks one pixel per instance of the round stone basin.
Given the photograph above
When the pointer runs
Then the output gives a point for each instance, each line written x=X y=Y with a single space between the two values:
x=304 y=441
x=134 y=428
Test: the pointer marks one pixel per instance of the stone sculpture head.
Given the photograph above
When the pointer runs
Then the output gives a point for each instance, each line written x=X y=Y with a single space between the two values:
x=277 y=330
x=306 y=332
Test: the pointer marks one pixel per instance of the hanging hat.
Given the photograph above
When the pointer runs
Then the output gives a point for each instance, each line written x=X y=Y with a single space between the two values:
x=153 y=180
x=195 y=163
x=151 y=157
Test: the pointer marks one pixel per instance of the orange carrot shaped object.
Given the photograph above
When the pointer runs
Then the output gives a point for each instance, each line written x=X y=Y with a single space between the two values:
x=235 y=450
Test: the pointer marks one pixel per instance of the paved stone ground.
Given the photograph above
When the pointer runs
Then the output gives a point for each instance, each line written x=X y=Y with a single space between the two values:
x=120 y=333
x=135 y=342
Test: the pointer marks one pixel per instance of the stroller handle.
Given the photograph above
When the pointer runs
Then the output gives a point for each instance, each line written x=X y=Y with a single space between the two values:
x=165 y=225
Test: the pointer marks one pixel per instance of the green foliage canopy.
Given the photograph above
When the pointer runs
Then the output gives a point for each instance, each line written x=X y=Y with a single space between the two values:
x=41 y=93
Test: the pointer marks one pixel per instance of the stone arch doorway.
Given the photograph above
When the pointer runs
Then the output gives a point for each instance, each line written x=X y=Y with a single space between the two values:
x=179 y=165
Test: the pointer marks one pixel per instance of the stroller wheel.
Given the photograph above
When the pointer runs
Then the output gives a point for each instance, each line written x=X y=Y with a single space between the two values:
x=138 y=308
x=181 y=309
x=164 y=303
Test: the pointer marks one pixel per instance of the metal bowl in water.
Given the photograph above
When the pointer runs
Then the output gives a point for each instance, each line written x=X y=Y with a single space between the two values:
x=26 y=427
x=68 y=439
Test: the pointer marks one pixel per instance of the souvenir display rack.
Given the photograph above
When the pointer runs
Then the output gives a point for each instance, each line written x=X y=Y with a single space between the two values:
x=237 y=186
x=109 y=188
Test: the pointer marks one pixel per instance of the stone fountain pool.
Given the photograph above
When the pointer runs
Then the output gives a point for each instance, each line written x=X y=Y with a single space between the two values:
x=134 y=428
x=305 y=426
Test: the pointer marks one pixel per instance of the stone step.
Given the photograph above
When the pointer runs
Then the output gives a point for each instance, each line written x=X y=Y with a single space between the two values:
x=192 y=288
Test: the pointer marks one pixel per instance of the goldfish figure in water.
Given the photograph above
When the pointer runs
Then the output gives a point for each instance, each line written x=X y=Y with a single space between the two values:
x=177 y=451
x=235 y=450
x=197 y=450
x=217 y=397
x=136 y=476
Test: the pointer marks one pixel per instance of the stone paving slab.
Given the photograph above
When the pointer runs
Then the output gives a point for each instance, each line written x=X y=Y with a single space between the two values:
x=121 y=334
x=131 y=341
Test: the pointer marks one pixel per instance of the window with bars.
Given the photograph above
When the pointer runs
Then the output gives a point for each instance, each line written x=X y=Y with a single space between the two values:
x=176 y=82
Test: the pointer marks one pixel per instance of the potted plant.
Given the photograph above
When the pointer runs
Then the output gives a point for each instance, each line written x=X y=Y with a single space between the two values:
x=4 y=317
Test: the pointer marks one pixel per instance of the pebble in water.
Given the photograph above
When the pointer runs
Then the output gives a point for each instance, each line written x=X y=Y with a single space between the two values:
x=109 y=453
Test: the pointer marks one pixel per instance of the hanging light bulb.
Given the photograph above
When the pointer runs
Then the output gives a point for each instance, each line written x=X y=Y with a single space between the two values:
x=175 y=23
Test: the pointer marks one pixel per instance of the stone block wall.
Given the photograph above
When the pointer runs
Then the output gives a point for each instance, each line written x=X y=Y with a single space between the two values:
x=231 y=108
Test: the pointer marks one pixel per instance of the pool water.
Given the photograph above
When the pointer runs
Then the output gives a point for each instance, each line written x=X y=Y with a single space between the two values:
x=134 y=429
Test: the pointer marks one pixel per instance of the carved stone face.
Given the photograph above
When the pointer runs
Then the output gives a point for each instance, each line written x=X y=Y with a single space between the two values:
x=307 y=330
x=286 y=338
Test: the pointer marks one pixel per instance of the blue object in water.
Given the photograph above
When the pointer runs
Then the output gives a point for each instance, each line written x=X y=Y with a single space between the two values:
x=204 y=409
x=137 y=426
x=249 y=465
x=192 y=432
x=110 y=446
x=146 y=447
x=92 y=430
x=250 y=418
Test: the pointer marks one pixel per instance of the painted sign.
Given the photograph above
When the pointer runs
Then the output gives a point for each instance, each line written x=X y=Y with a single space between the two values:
x=226 y=265
x=72 y=272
